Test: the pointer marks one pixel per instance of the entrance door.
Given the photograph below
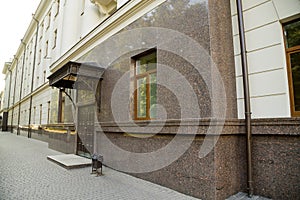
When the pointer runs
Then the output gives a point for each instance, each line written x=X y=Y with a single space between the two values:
x=85 y=129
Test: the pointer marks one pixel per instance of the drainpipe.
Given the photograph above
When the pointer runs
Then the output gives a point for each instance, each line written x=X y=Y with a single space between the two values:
x=12 y=116
x=32 y=79
x=246 y=94
x=21 y=86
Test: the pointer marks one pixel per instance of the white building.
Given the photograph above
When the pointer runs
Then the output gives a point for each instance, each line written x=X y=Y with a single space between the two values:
x=55 y=28
x=267 y=56
x=65 y=35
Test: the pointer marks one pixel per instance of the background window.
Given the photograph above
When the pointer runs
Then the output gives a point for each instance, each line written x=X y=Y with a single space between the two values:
x=40 y=56
x=41 y=30
x=292 y=42
x=57 y=7
x=61 y=106
x=54 y=39
x=145 y=86
x=49 y=20
x=48 y=113
x=41 y=113
x=46 y=49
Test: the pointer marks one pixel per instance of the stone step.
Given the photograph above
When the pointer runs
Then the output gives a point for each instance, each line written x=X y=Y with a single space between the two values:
x=70 y=161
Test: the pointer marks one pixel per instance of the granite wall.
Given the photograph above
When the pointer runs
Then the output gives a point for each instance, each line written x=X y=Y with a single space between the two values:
x=62 y=138
x=196 y=21
x=222 y=173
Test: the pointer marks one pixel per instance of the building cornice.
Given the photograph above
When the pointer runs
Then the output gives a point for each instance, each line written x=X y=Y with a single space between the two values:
x=7 y=66
x=105 y=7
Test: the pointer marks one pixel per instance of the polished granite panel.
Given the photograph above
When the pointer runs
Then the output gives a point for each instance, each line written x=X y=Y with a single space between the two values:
x=230 y=161
x=276 y=170
x=223 y=171
x=222 y=50
x=189 y=174
x=182 y=22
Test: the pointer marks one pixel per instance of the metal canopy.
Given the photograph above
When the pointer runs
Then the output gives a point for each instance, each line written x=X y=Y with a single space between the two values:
x=66 y=76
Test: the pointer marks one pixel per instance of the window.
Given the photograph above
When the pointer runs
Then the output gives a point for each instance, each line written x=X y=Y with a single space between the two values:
x=34 y=114
x=292 y=43
x=54 y=39
x=46 y=49
x=82 y=7
x=31 y=46
x=40 y=56
x=41 y=30
x=61 y=106
x=49 y=19
x=145 y=85
x=44 y=76
x=57 y=7
x=41 y=113
x=48 y=113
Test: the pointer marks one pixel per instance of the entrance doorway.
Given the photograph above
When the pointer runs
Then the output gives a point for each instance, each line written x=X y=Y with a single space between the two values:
x=85 y=130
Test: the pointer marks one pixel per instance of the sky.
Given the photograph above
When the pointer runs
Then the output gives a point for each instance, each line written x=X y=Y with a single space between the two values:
x=15 y=17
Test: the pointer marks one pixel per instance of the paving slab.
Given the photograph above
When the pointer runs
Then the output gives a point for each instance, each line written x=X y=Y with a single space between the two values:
x=244 y=196
x=26 y=174
x=70 y=161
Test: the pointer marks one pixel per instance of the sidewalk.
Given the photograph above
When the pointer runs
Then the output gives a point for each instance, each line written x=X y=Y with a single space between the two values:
x=26 y=174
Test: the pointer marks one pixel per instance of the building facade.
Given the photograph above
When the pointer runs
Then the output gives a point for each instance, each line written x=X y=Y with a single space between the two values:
x=157 y=88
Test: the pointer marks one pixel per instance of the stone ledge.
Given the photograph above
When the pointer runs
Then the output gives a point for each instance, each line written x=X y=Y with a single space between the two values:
x=70 y=161
x=268 y=126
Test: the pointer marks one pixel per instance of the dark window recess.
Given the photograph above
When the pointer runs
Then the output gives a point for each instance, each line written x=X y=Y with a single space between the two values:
x=292 y=43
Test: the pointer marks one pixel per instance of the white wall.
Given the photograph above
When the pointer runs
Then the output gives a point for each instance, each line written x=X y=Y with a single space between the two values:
x=121 y=3
x=41 y=98
x=72 y=22
x=89 y=18
x=6 y=91
x=24 y=113
x=266 y=56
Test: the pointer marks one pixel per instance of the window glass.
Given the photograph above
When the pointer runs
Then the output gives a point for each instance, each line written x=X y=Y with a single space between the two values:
x=292 y=34
x=292 y=40
x=153 y=96
x=145 y=83
x=141 y=97
x=295 y=67
x=146 y=63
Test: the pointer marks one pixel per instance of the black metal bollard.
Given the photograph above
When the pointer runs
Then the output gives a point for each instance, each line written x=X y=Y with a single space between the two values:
x=97 y=161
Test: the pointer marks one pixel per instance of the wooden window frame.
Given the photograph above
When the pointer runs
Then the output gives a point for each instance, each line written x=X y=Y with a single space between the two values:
x=288 y=52
x=136 y=77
